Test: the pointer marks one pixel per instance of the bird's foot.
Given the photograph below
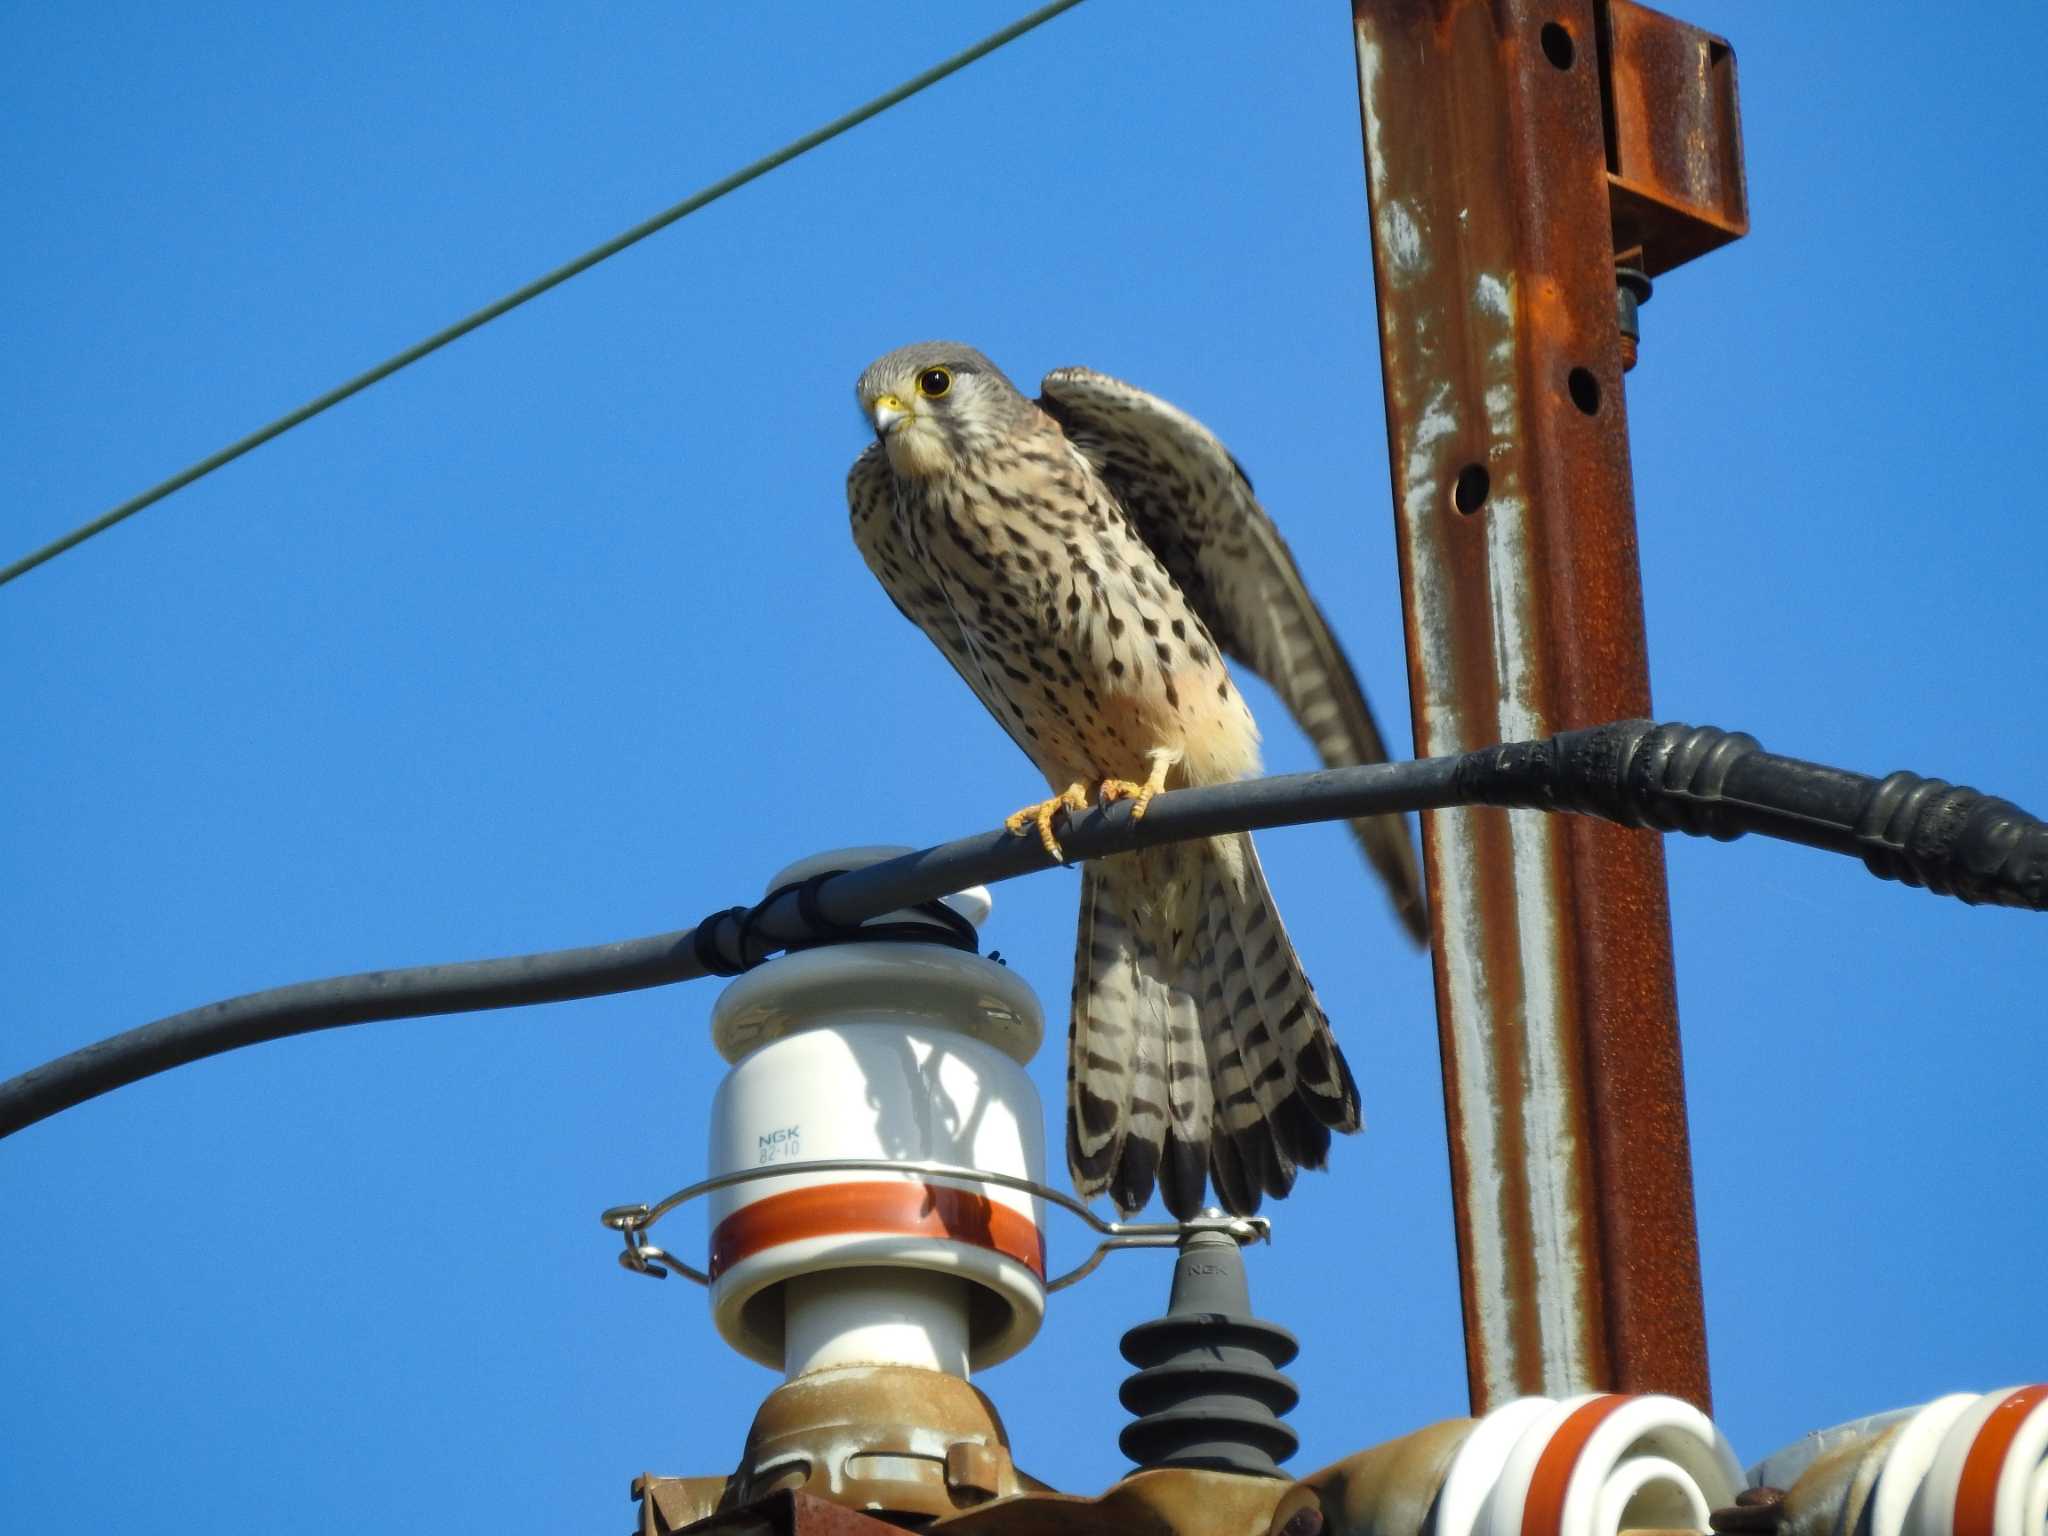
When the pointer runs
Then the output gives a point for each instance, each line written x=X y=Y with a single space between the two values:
x=1073 y=798
x=1112 y=790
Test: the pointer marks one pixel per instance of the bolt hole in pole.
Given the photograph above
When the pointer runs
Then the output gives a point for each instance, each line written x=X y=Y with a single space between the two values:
x=1557 y=45
x=1585 y=390
x=1469 y=494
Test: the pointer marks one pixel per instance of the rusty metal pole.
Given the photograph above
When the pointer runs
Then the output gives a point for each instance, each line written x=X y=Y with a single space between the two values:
x=1489 y=143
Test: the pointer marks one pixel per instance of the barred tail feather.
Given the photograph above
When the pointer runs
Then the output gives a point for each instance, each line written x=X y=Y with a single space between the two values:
x=1198 y=1050
x=1240 y=1147
x=1190 y=1092
x=1306 y=1072
x=1101 y=1049
x=1249 y=1096
x=1130 y=1185
x=1264 y=991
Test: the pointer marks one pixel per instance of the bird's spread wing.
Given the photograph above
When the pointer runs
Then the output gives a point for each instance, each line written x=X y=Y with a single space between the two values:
x=871 y=501
x=1189 y=500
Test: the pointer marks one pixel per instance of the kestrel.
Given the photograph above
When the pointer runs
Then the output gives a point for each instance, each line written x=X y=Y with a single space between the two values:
x=1086 y=562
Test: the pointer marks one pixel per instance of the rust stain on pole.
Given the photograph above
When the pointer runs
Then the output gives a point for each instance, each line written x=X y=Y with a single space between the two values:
x=1487 y=150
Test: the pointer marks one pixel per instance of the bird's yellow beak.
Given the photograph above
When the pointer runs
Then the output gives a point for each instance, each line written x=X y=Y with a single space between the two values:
x=888 y=412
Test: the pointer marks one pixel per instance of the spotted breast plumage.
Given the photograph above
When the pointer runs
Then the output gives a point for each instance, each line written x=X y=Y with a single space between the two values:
x=1086 y=562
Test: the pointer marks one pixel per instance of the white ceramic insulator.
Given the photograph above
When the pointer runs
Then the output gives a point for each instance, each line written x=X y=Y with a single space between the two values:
x=896 y=1052
x=874 y=1317
x=2003 y=1437
x=1587 y=1466
x=1476 y=1469
x=1967 y=1464
x=1649 y=1493
x=1904 y=1459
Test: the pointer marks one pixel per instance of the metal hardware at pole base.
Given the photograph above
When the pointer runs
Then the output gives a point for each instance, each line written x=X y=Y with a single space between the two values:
x=1172 y=1501
x=705 y=1506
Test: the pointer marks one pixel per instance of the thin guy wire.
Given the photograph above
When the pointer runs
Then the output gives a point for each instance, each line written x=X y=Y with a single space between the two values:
x=536 y=288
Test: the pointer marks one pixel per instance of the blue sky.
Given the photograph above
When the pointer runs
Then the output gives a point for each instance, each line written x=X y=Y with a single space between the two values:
x=559 y=637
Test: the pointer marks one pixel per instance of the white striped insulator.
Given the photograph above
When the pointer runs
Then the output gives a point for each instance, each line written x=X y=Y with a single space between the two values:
x=903 y=1052
x=1967 y=1464
x=1594 y=1465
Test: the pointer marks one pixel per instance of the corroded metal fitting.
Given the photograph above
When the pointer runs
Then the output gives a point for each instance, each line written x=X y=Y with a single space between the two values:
x=1632 y=290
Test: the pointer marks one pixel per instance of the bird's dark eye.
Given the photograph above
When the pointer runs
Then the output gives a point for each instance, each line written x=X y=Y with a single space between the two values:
x=934 y=382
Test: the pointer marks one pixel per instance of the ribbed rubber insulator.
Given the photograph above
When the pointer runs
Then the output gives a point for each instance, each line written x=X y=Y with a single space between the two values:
x=1209 y=1391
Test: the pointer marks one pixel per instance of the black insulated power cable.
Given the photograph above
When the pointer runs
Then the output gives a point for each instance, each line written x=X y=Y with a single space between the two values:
x=1673 y=778
x=1713 y=783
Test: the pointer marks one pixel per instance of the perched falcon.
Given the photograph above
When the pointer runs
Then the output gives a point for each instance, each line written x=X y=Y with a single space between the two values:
x=1085 y=562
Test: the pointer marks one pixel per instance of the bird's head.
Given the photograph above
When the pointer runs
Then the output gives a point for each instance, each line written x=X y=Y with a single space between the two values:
x=938 y=404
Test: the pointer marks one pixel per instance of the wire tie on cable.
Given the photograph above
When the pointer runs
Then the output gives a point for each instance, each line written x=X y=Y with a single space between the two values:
x=823 y=929
x=704 y=940
x=961 y=934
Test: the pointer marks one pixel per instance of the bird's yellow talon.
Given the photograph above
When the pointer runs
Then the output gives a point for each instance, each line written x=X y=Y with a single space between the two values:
x=1113 y=790
x=1155 y=781
x=1073 y=798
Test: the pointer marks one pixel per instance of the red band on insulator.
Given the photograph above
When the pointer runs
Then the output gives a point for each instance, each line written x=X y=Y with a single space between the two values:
x=1977 y=1488
x=892 y=1209
x=1543 y=1506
